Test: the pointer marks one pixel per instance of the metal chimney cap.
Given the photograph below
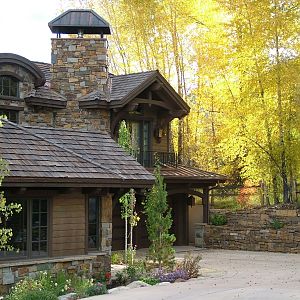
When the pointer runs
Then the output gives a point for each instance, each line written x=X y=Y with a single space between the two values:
x=74 y=20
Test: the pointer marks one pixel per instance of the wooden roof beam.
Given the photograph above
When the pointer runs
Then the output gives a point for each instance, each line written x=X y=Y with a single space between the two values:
x=152 y=102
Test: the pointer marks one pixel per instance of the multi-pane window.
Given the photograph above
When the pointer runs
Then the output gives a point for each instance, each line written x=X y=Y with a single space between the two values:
x=11 y=115
x=39 y=227
x=140 y=141
x=9 y=86
x=93 y=223
x=29 y=228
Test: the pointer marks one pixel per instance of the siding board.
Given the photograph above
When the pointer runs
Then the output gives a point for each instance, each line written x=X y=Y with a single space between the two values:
x=68 y=224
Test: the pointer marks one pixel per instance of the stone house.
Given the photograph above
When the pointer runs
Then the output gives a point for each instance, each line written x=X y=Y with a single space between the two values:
x=65 y=167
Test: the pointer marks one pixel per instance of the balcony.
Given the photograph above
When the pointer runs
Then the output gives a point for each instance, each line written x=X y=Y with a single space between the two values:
x=149 y=158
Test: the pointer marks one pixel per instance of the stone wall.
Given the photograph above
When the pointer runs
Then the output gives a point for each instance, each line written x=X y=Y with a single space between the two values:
x=91 y=120
x=10 y=273
x=252 y=230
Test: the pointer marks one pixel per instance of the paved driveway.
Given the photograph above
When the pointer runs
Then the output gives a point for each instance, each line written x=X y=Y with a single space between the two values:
x=229 y=275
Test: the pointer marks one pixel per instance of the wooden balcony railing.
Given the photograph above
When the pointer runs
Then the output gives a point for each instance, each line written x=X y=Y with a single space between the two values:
x=149 y=158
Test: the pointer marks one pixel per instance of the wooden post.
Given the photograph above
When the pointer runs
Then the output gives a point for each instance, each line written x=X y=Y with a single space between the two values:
x=205 y=201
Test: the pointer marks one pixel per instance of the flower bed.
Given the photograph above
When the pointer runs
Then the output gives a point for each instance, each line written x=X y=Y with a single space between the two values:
x=47 y=286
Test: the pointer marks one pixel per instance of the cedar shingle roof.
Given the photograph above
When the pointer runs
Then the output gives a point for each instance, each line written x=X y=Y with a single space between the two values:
x=58 y=156
x=190 y=174
x=96 y=95
x=96 y=146
x=122 y=85
x=45 y=68
x=44 y=94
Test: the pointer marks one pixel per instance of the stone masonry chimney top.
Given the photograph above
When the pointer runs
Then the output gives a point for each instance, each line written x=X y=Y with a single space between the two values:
x=79 y=21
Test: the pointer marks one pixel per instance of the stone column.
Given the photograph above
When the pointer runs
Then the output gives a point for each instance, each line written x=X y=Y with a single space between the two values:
x=106 y=223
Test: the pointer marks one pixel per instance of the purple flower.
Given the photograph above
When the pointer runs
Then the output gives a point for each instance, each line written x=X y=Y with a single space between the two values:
x=172 y=276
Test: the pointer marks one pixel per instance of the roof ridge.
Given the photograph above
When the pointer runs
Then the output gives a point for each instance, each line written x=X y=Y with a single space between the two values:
x=141 y=72
x=61 y=147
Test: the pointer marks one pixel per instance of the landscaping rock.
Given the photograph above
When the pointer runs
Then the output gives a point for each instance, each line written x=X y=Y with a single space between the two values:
x=118 y=289
x=137 y=284
x=164 y=283
x=70 y=296
x=180 y=280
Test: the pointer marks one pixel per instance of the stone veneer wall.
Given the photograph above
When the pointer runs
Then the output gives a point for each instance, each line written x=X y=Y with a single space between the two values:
x=10 y=273
x=92 y=120
x=251 y=230
x=79 y=66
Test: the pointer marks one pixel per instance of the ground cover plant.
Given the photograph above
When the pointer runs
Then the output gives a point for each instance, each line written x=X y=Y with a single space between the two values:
x=276 y=224
x=49 y=286
x=218 y=219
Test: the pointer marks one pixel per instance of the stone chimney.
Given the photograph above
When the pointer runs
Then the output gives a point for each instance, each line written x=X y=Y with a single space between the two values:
x=79 y=64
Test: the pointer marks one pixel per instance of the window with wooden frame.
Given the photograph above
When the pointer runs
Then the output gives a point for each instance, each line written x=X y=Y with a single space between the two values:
x=140 y=140
x=9 y=86
x=93 y=223
x=30 y=229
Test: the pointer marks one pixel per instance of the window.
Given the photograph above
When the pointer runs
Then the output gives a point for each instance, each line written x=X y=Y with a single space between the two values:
x=140 y=141
x=39 y=229
x=30 y=229
x=9 y=86
x=93 y=223
x=11 y=115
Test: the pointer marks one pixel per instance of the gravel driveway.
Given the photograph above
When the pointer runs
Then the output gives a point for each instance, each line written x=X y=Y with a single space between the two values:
x=229 y=275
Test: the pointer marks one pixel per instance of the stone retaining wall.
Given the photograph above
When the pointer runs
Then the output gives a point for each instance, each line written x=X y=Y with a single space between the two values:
x=12 y=272
x=252 y=230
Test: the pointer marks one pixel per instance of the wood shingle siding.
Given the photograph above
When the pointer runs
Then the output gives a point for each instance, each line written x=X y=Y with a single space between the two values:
x=68 y=224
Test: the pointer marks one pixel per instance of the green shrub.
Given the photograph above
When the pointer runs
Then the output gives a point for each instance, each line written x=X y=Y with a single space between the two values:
x=131 y=273
x=117 y=258
x=276 y=224
x=33 y=295
x=96 y=289
x=57 y=285
x=190 y=265
x=122 y=278
x=218 y=219
x=150 y=280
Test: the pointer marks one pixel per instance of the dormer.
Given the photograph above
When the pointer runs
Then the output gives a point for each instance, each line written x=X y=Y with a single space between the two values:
x=18 y=77
x=147 y=103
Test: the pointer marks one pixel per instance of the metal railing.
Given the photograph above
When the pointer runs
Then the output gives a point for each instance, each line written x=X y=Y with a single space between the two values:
x=149 y=158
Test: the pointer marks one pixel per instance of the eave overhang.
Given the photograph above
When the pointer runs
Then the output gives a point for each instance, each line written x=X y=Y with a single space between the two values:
x=74 y=182
x=34 y=101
